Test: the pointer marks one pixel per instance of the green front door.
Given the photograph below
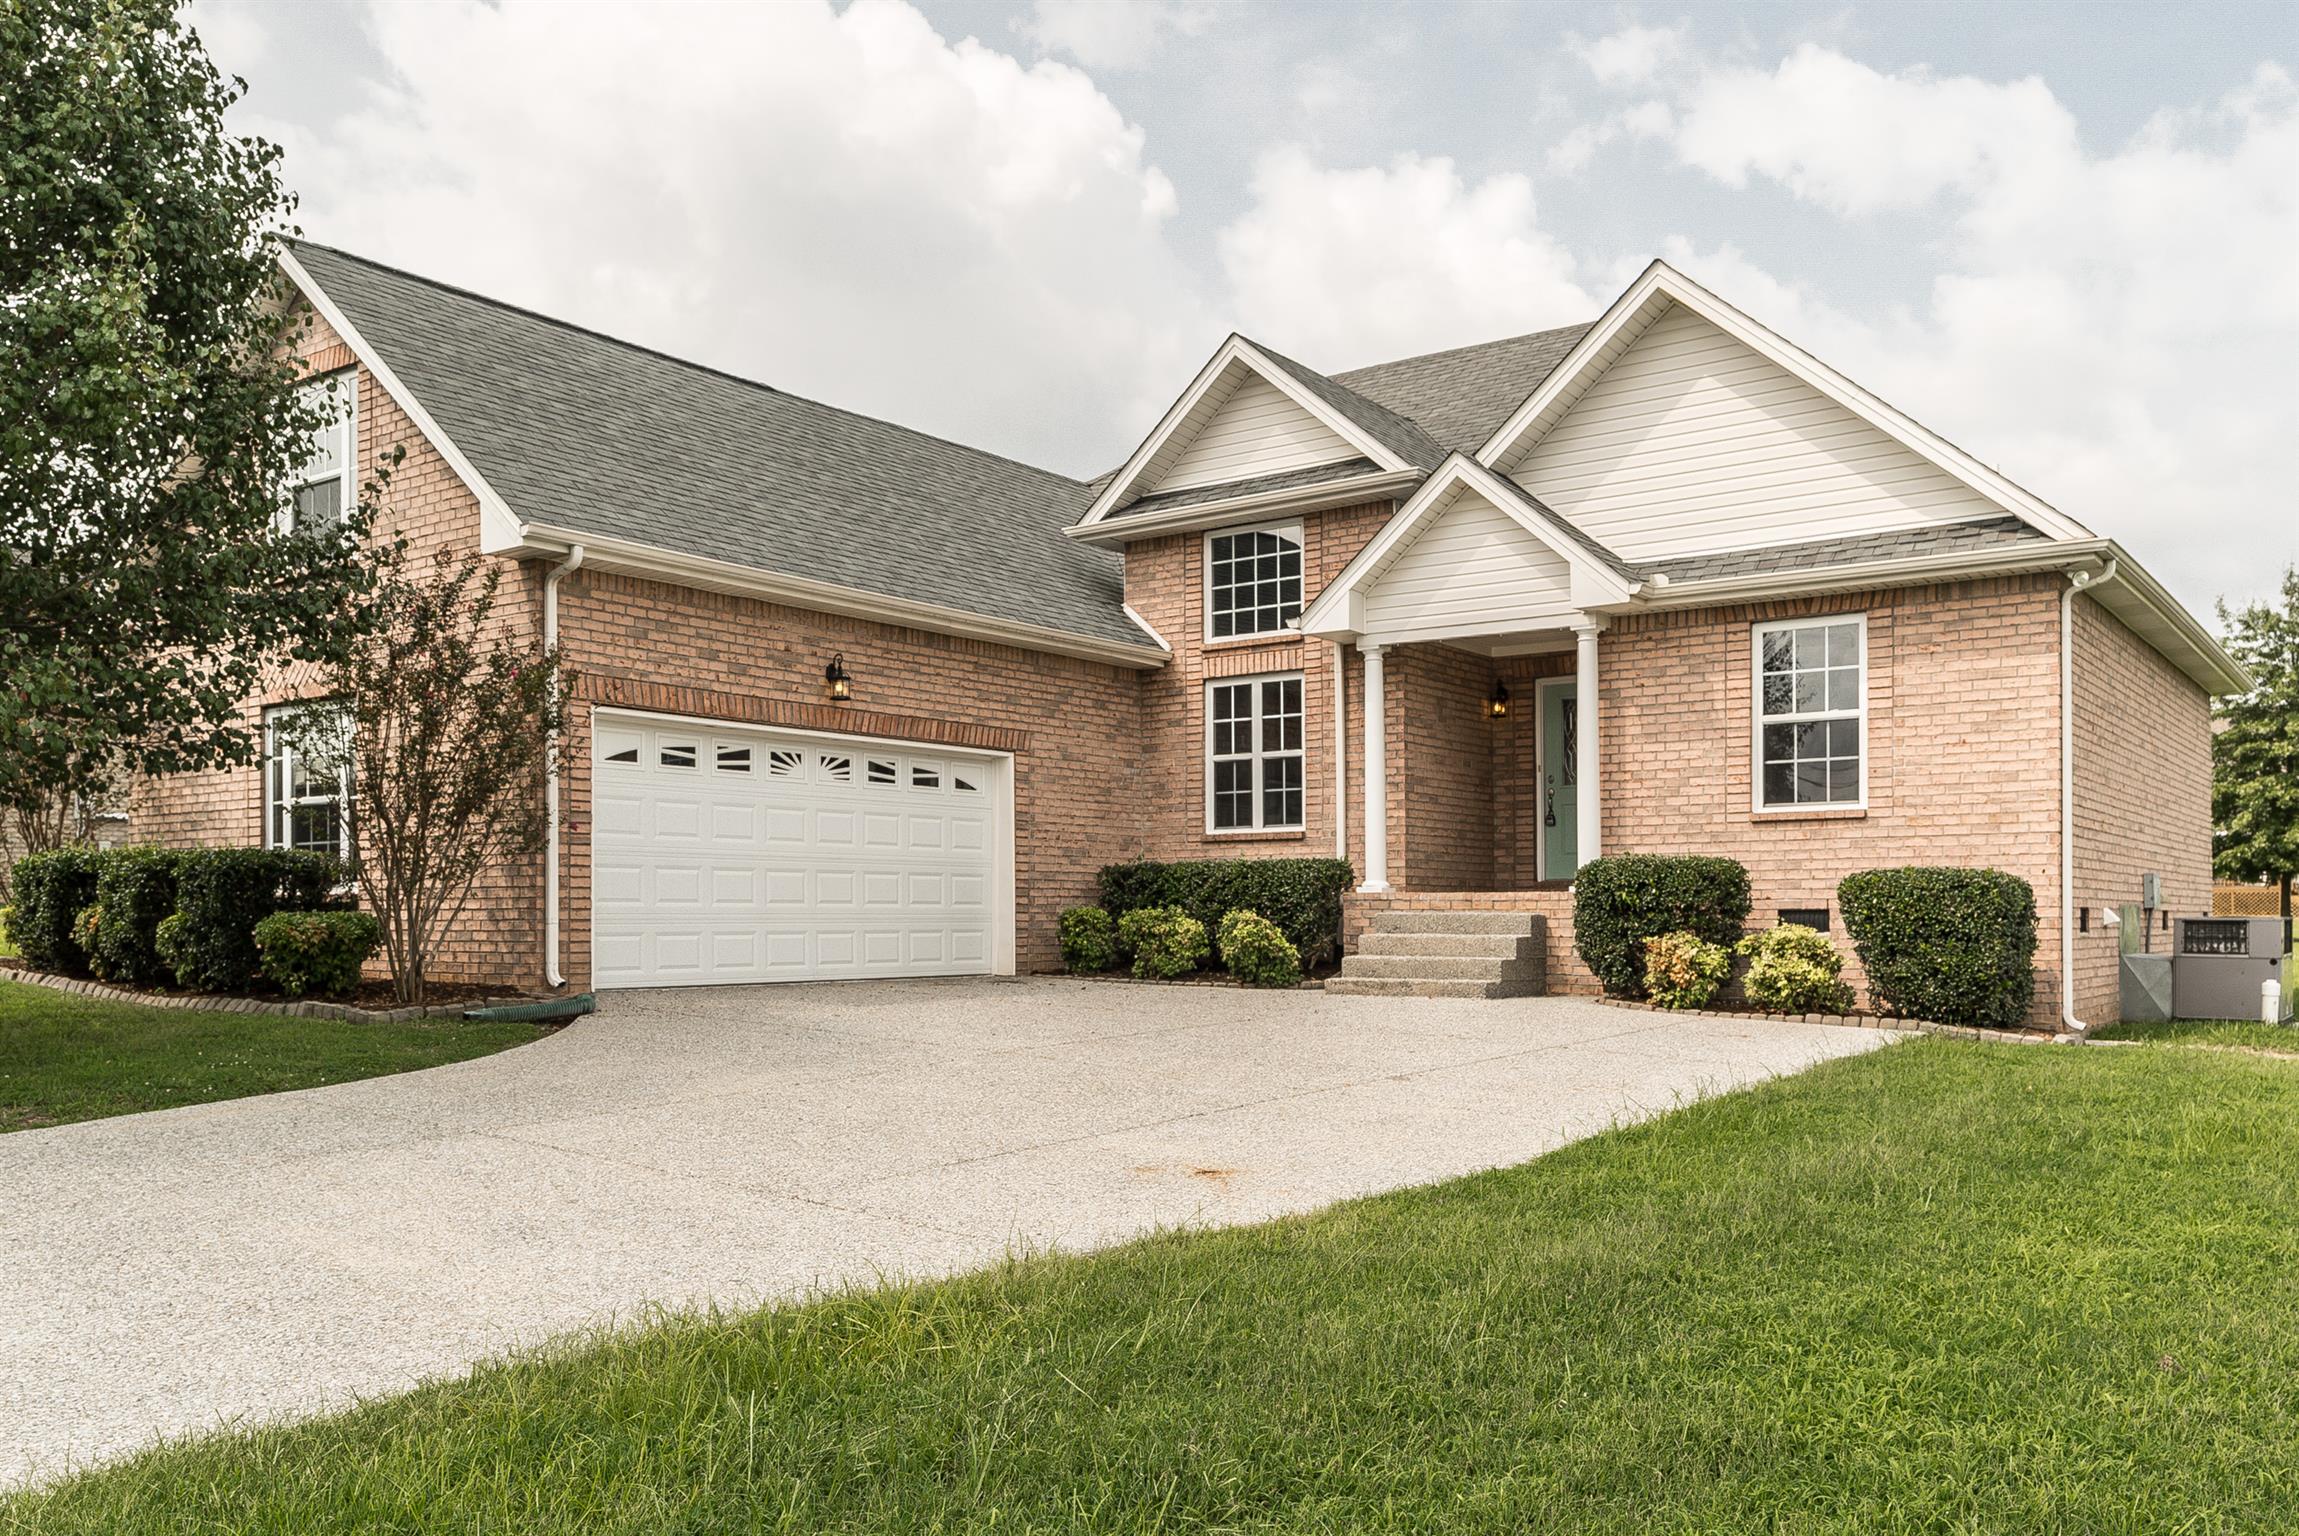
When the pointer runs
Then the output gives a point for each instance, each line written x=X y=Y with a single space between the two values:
x=1559 y=798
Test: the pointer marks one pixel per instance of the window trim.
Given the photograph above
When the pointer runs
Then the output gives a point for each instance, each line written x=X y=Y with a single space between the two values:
x=348 y=378
x=1292 y=528
x=278 y=774
x=1259 y=828
x=1757 y=717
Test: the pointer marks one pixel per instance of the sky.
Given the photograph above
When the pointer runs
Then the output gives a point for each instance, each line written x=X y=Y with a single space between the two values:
x=2064 y=236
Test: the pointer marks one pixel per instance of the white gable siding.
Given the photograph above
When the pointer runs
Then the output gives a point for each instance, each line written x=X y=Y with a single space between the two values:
x=1691 y=442
x=1471 y=568
x=1258 y=430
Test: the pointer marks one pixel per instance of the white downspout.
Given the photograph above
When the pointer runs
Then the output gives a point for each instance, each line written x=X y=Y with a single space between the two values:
x=551 y=970
x=2077 y=581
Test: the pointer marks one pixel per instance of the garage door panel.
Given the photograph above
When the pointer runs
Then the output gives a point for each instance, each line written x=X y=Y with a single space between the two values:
x=732 y=855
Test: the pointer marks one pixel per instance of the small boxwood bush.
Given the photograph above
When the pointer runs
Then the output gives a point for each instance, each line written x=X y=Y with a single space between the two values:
x=1684 y=970
x=1089 y=940
x=221 y=894
x=1956 y=946
x=51 y=890
x=1620 y=902
x=316 y=951
x=1165 y=942
x=1256 y=952
x=135 y=889
x=1301 y=896
x=1794 y=969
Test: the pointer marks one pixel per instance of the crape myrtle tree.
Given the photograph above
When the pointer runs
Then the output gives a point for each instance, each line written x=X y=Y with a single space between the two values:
x=150 y=416
x=2255 y=749
x=444 y=720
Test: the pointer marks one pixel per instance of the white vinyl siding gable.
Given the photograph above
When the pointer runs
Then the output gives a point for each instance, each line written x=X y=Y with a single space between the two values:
x=1691 y=442
x=1471 y=569
x=1257 y=429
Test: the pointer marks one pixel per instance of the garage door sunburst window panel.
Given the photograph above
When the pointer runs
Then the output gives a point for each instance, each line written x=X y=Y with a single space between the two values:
x=1255 y=754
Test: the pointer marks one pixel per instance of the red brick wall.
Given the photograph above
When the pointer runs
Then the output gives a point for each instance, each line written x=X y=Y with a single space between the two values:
x=1441 y=832
x=2142 y=793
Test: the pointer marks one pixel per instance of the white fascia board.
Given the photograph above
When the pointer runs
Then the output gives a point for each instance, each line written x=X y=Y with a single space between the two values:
x=625 y=557
x=1339 y=609
x=1147 y=628
x=1661 y=282
x=499 y=527
x=1214 y=514
x=1237 y=352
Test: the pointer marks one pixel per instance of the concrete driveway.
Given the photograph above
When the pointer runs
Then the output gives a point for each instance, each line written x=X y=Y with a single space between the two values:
x=167 y=1272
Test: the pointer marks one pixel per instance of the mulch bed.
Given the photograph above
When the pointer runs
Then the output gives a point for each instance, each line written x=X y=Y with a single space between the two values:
x=1849 y=1020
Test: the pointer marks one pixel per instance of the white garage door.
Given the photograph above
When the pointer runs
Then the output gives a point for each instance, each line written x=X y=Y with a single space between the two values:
x=727 y=855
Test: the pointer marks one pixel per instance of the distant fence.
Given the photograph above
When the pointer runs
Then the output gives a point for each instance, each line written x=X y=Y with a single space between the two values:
x=2231 y=900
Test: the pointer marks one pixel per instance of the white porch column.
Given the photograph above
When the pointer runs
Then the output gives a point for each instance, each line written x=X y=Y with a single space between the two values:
x=1340 y=750
x=1587 y=810
x=1376 y=791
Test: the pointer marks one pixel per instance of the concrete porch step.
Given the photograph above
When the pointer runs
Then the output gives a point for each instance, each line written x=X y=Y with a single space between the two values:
x=1441 y=968
x=1396 y=986
x=1494 y=946
x=1409 y=920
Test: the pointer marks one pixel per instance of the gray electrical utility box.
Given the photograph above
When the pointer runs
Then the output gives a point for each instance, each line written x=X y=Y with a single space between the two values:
x=2218 y=963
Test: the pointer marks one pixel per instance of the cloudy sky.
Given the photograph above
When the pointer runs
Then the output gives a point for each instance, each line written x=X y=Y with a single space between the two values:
x=2065 y=236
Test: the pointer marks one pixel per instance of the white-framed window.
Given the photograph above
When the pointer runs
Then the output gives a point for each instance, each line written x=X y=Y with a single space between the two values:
x=1252 y=580
x=324 y=488
x=1811 y=712
x=1253 y=754
x=307 y=778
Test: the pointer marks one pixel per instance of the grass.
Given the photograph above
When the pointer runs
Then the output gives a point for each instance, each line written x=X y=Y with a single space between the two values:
x=1946 y=1287
x=2239 y=1033
x=66 y=1058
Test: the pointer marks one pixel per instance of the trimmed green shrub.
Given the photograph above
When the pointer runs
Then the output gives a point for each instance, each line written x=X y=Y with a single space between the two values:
x=1684 y=970
x=135 y=888
x=1256 y=952
x=1089 y=940
x=1301 y=896
x=317 y=951
x=51 y=890
x=1794 y=969
x=1165 y=942
x=222 y=893
x=1620 y=902
x=1956 y=946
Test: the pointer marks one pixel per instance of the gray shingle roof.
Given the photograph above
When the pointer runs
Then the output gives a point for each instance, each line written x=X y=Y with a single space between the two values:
x=1857 y=549
x=1291 y=479
x=1462 y=396
x=1404 y=438
x=580 y=431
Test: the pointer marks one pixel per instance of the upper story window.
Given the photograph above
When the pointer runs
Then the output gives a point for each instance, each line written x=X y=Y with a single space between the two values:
x=1252 y=581
x=307 y=778
x=1253 y=754
x=323 y=486
x=1811 y=713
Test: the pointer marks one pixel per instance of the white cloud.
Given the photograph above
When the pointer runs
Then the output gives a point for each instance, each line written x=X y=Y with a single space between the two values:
x=1633 y=55
x=1351 y=266
x=841 y=203
x=2118 y=332
x=1111 y=34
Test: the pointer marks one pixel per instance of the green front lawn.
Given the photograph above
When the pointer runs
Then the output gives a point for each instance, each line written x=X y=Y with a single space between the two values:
x=2251 y=1036
x=1946 y=1287
x=65 y=1058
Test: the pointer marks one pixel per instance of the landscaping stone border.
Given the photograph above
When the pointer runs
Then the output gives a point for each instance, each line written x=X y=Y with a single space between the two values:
x=218 y=1002
x=1855 y=1021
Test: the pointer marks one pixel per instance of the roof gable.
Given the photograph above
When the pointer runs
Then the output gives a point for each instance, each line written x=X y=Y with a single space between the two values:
x=1250 y=428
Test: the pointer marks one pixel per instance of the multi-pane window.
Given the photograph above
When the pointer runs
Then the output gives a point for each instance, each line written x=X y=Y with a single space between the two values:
x=307 y=778
x=1811 y=712
x=1254 y=750
x=323 y=488
x=1253 y=581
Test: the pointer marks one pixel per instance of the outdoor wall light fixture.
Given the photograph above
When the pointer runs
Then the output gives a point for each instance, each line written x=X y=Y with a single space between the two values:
x=1497 y=707
x=835 y=676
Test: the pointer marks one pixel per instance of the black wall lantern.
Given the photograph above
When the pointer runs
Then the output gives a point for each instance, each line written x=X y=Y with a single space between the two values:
x=835 y=676
x=1497 y=707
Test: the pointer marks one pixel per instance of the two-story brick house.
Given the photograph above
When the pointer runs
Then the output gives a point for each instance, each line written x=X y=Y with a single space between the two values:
x=856 y=701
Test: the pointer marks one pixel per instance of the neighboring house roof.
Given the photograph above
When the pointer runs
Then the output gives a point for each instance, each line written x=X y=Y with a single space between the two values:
x=1459 y=396
x=581 y=432
x=1860 y=549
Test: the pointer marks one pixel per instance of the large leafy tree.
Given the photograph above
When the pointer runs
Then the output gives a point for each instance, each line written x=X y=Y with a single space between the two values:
x=150 y=416
x=2255 y=753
